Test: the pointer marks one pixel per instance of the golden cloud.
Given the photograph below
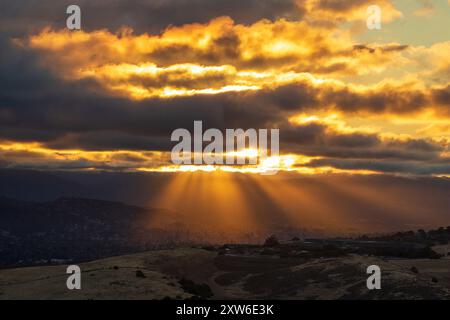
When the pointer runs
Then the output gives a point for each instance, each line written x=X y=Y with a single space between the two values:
x=216 y=57
x=305 y=75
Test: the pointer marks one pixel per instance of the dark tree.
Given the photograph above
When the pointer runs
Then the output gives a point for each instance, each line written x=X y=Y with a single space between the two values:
x=271 y=241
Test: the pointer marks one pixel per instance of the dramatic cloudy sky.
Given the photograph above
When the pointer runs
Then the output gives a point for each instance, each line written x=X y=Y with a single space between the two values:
x=345 y=98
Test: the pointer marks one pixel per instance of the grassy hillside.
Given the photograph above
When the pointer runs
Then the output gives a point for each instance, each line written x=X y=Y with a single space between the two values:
x=235 y=272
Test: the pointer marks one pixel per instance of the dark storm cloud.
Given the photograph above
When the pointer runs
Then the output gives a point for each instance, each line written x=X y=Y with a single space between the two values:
x=387 y=99
x=35 y=105
x=348 y=6
x=339 y=5
x=384 y=166
x=303 y=96
x=442 y=97
x=382 y=48
x=316 y=139
x=142 y=15
x=110 y=141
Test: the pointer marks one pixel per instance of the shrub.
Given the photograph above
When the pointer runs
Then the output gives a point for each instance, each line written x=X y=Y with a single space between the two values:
x=200 y=290
x=271 y=241
x=140 y=274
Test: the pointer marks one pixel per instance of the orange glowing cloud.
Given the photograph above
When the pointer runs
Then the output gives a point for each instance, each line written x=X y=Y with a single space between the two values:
x=216 y=57
x=335 y=99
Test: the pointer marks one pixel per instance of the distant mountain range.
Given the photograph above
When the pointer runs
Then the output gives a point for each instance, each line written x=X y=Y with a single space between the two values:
x=37 y=185
x=134 y=188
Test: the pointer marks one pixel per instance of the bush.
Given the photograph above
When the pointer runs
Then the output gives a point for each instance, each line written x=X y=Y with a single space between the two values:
x=271 y=241
x=430 y=254
x=140 y=274
x=200 y=290
x=209 y=248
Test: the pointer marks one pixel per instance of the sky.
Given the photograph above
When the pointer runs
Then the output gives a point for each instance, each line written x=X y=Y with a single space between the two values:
x=345 y=99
